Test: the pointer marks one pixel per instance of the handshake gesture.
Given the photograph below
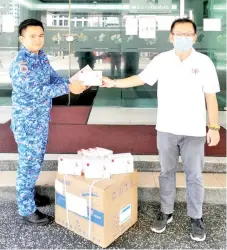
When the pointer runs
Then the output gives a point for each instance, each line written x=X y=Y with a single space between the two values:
x=76 y=87
x=107 y=82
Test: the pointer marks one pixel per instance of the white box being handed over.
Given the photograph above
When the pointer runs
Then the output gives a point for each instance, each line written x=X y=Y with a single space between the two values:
x=121 y=163
x=88 y=76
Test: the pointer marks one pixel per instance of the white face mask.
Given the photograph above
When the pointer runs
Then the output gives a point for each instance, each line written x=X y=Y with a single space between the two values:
x=182 y=43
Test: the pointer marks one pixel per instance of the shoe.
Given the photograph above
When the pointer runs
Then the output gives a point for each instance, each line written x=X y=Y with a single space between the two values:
x=198 y=230
x=159 y=226
x=37 y=218
x=41 y=200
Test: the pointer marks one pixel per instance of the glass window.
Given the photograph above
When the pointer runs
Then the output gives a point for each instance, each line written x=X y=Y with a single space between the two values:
x=106 y=40
x=65 y=22
x=210 y=17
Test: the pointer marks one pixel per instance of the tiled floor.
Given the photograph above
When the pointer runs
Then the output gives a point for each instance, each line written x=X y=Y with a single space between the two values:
x=140 y=116
x=115 y=115
x=5 y=101
x=141 y=97
x=5 y=112
x=146 y=179
x=14 y=156
x=221 y=179
x=8 y=178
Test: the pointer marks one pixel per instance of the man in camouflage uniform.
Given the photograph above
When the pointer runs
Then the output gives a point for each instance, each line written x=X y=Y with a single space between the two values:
x=34 y=84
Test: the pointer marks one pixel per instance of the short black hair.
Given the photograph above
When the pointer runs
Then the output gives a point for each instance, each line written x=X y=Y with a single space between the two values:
x=29 y=22
x=183 y=20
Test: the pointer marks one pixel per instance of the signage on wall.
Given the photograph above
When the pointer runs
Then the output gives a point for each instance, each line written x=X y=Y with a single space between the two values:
x=4 y=6
x=8 y=23
x=150 y=6
x=211 y=24
x=147 y=27
x=131 y=25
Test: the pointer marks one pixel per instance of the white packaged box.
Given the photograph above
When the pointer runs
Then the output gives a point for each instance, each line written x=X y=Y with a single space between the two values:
x=91 y=78
x=95 y=152
x=96 y=167
x=71 y=165
x=121 y=163
x=88 y=76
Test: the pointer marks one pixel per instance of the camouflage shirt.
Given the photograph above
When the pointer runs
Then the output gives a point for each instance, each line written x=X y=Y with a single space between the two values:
x=34 y=84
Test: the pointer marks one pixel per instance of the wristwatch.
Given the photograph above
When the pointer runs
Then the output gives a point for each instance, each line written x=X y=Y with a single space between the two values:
x=214 y=127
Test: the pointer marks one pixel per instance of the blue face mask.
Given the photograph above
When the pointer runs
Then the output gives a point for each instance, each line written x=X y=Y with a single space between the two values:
x=182 y=43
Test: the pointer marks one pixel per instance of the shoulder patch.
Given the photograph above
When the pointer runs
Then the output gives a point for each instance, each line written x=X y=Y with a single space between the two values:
x=23 y=69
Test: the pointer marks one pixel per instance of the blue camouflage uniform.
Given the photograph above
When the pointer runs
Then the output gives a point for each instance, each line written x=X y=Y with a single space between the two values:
x=34 y=84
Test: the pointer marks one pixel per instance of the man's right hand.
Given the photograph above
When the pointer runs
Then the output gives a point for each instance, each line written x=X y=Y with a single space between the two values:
x=107 y=82
x=76 y=87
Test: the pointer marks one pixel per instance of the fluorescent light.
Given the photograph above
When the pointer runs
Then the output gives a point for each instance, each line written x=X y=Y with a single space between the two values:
x=191 y=16
x=182 y=8
x=35 y=5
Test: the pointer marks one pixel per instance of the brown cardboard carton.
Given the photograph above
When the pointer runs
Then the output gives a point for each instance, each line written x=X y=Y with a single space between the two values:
x=102 y=216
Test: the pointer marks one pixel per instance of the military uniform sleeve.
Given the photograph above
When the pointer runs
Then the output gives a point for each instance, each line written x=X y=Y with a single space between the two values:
x=56 y=79
x=24 y=80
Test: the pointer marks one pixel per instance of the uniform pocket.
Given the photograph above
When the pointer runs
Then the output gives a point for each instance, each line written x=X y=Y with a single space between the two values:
x=18 y=131
x=36 y=130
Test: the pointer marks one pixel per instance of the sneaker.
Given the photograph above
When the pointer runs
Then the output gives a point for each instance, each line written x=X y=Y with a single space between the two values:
x=198 y=230
x=159 y=226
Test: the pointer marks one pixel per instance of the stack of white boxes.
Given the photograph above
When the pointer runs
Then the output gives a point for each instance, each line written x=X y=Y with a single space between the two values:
x=96 y=163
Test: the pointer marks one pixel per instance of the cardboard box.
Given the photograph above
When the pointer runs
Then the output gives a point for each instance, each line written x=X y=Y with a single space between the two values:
x=99 y=210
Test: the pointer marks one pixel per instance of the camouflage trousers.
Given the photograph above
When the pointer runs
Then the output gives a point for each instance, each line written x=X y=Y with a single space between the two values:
x=31 y=138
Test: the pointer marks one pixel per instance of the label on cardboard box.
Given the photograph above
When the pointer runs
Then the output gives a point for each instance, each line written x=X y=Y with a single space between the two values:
x=125 y=214
x=97 y=217
x=76 y=204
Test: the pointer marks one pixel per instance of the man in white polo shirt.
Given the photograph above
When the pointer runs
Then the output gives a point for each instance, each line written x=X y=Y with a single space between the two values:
x=187 y=83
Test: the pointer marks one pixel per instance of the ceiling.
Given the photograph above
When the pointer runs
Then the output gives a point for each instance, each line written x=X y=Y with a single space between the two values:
x=77 y=5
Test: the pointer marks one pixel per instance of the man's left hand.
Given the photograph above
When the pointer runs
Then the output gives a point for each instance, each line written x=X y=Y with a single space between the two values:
x=213 y=137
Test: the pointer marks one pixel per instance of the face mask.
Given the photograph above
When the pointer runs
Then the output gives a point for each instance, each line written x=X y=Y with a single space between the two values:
x=182 y=43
